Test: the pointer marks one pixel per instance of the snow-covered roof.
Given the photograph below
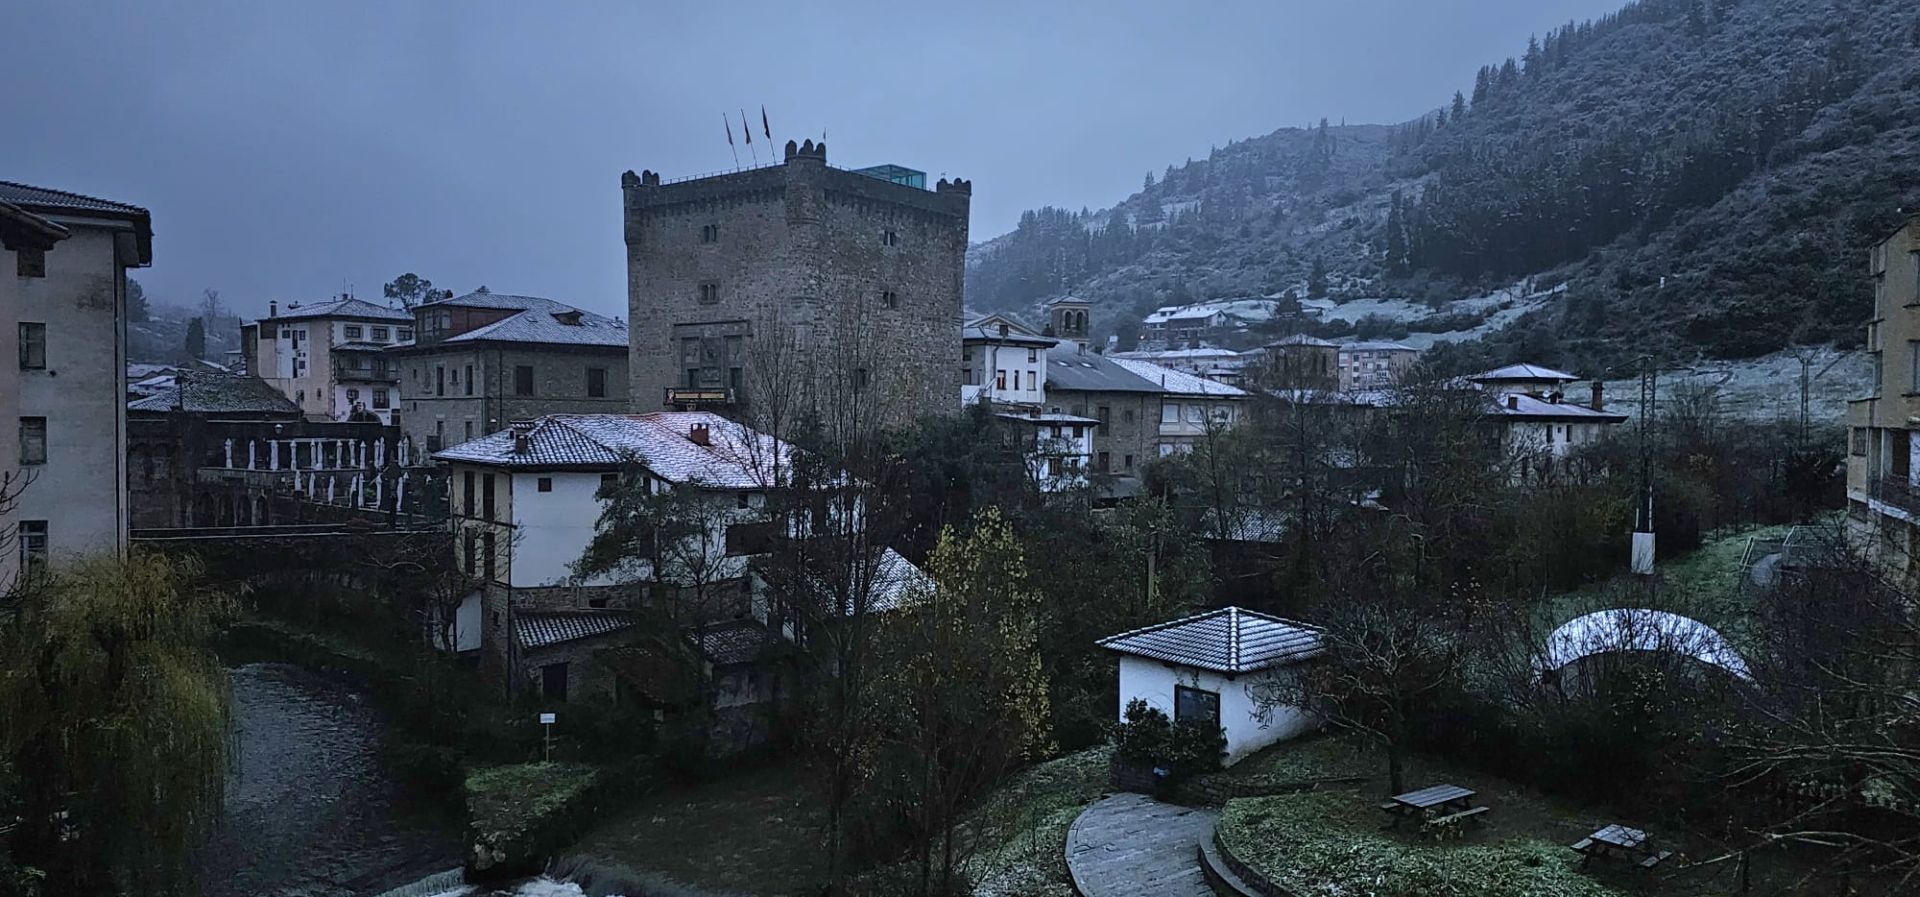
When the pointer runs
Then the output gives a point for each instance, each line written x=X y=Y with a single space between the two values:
x=1519 y=405
x=1228 y=640
x=351 y=308
x=1178 y=382
x=1523 y=372
x=204 y=392
x=1170 y=313
x=734 y=455
x=551 y=323
x=1376 y=346
x=538 y=629
x=1639 y=629
x=1301 y=339
x=1202 y=352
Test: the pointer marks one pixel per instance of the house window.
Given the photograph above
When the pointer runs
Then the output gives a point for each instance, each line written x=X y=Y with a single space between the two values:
x=466 y=493
x=1860 y=441
x=1126 y=415
x=439 y=380
x=889 y=299
x=354 y=331
x=889 y=238
x=1103 y=462
x=486 y=551
x=353 y=395
x=999 y=379
x=596 y=383
x=380 y=399
x=709 y=293
x=30 y=262
x=749 y=538
x=469 y=379
x=380 y=334
x=709 y=233
x=1079 y=431
x=33 y=440
x=1033 y=355
x=405 y=334
x=1104 y=414
x=523 y=379
x=33 y=346
x=544 y=484
x=456 y=376
x=1169 y=413
x=609 y=481
x=469 y=428
x=1126 y=461
x=1196 y=705
x=859 y=378
x=33 y=546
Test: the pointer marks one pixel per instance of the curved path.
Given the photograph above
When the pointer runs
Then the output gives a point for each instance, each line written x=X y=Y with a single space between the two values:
x=1130 y=845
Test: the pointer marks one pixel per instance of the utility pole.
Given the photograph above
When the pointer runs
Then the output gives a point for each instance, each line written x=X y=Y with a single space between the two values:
x=1643 y=536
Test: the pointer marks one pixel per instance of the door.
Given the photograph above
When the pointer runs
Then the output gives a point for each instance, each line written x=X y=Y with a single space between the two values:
x=553 y=681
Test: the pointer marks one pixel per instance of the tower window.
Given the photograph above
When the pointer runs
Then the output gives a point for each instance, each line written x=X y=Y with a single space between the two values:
x=889 y=299
x=710 y=233
x=709 y=293
x=889 y=238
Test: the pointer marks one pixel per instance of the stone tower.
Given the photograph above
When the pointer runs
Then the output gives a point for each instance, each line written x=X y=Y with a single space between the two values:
x=841 y=279
x=1067 y=318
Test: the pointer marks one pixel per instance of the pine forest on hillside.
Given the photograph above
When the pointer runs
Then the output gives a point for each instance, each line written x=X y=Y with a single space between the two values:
x=1703 y=174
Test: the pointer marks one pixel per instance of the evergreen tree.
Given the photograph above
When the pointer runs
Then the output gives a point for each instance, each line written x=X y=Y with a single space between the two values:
x=1481 y=83
x=1396 y=236
x=1509 y=73
x=1531 y=61
x=195 y=345
x=1459 y=105
x=1149 y=184
x=137 y=311
x=1317 y=279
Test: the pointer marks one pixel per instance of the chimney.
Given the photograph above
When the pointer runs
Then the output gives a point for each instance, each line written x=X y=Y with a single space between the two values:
x=1599 y=396
x=273 y=308
x=522 y=436
x=1513 y=403
x=698 y=435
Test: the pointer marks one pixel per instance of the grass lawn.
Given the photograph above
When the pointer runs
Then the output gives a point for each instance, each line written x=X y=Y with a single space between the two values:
x=1336 y=840
x=1703 y=583
x=756 y=831
x=1022 y=826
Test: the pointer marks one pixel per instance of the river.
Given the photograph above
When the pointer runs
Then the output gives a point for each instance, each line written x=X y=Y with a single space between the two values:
x=310 y=809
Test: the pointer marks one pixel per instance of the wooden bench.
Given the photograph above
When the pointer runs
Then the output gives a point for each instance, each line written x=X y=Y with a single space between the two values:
x=1655 y=859
x=1452 y=818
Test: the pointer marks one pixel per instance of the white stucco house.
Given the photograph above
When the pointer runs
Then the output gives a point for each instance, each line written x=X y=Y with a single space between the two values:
x=1201 y=667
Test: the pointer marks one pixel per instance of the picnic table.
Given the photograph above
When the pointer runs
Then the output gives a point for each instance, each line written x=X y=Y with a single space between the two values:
x=1617 y=840
x=1431 y=803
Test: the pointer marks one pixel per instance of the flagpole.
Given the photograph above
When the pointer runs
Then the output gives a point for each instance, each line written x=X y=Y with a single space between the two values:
x=730 y=146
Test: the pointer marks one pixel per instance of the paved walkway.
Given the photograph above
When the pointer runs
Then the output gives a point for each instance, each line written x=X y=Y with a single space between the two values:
x=1130 y=845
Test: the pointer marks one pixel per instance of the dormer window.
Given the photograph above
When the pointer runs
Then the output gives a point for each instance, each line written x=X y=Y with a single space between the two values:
x=569 y=318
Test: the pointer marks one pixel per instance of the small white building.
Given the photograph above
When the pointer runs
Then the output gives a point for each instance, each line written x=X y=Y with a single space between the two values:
x=1058 y=447
x=1004 y=362
x=1202 y=667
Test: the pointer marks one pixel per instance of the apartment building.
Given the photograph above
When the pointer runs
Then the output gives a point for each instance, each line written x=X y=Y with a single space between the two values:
x=330 y=357
x=1883 y=455
x=1374 y=365
x=63 y=291
x=483 y=360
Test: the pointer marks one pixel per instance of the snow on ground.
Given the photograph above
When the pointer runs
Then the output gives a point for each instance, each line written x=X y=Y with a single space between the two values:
x=1504 y=306
x=1764 y=388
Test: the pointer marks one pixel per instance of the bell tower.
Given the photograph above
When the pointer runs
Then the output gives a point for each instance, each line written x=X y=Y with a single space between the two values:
x=1067 y=318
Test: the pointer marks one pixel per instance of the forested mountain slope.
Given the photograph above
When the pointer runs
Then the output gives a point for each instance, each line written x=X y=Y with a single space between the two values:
x=1704 y=175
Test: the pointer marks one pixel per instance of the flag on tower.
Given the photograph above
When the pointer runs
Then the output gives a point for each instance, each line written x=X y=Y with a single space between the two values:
x=729 y=125
x=746 y=128
x=764 y=127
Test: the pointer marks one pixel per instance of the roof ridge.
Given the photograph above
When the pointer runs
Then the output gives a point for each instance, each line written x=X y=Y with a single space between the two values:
x=1190 y=618
x=71 y=194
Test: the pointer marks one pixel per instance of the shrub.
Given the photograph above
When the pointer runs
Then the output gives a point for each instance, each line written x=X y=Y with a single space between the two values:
x=1185 y=748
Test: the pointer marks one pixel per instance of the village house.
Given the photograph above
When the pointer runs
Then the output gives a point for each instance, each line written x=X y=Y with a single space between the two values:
x=1182 y=326
x=63 y=294
x=1374 y=365
x=480 y=361
x=1201 y=668
x=329 y=357
x=1003 y=362
x=524 y=506
x=1214 y=363
x=1883 y=475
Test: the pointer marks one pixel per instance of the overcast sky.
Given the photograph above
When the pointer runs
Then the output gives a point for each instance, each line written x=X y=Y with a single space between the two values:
x=290 y=150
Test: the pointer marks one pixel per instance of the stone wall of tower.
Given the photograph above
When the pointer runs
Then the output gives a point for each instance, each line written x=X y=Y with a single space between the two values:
x=800 y=248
